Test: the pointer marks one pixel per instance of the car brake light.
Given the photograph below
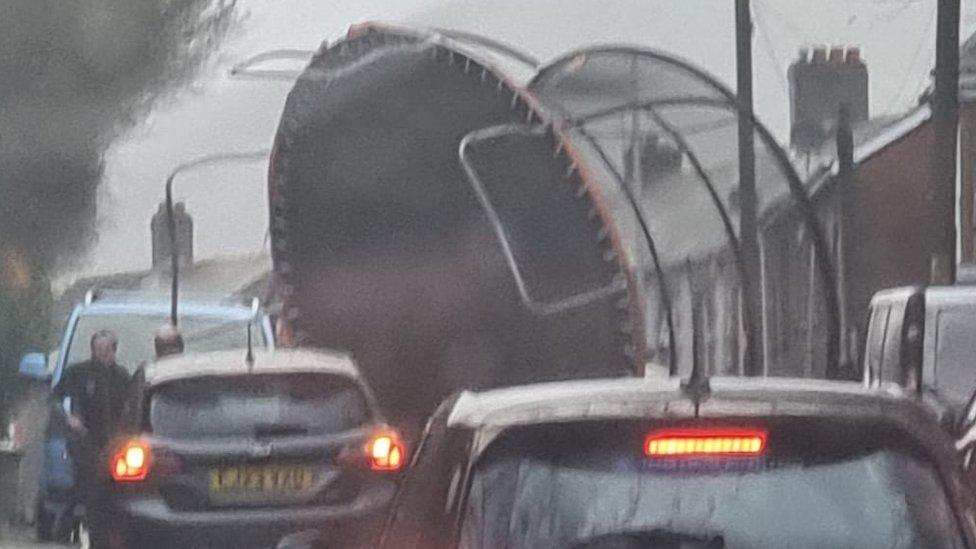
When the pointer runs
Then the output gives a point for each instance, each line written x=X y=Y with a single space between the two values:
x=131 y=462
x=705 y=443
x=385 y=453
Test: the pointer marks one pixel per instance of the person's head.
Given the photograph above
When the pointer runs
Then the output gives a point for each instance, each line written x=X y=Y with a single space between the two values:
x=168 y=341
x=104 y=345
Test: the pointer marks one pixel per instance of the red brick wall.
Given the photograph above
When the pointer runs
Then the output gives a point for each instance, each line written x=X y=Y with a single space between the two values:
x=887 y=221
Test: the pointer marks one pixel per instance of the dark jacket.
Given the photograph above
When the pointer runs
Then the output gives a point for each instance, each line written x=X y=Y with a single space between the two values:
x=98 y=396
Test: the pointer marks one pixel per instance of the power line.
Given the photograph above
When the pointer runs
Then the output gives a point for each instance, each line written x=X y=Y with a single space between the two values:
x=770 y=51
x=796 y=30
x=886 y=18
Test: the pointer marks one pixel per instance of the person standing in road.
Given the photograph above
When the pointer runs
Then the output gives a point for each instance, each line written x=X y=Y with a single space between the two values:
x=90 y=400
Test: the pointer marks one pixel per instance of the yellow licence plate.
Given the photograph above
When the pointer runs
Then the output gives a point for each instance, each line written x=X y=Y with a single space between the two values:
x=261 y=479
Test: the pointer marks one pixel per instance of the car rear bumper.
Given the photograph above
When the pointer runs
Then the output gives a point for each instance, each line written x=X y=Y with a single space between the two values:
x=151 y=520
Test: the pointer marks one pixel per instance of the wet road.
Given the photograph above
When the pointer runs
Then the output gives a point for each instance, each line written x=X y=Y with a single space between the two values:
x=19 y=537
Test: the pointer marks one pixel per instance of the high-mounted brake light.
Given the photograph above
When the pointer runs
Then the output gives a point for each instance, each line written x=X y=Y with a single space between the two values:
x=131 y=462
x=385 y=453
x=705 y=443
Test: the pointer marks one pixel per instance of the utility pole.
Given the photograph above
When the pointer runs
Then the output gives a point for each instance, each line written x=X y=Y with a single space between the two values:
x=748 y=234
x=945 y=123
x=845 y=179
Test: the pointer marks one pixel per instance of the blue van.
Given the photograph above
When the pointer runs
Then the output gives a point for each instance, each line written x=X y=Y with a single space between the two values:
x=205 y=325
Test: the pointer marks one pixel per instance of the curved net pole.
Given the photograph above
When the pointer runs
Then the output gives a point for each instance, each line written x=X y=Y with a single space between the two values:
x=652 y=247
x=727 y=224
x=749 y=319
x=799 y=194
x=820 y=249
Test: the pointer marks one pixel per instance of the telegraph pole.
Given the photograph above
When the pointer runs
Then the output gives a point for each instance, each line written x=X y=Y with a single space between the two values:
x=748 y=235
x=945 y=122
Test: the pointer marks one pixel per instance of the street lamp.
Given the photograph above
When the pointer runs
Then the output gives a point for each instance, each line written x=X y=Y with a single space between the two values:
x=203 y=161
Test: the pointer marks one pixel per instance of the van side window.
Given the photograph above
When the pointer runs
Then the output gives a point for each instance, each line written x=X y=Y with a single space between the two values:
x=955 y=350
x=874 y=349
x=891 y=359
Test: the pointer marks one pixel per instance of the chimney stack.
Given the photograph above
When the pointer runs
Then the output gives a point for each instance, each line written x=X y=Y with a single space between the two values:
x=819 y=85
x=159 y=229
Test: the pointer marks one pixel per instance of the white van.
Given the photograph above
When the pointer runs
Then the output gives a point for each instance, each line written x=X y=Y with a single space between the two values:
x=924 y=338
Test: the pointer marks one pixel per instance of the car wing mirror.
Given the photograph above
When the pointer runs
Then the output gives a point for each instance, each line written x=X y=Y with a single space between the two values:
x=547 y=232
x=34 y=366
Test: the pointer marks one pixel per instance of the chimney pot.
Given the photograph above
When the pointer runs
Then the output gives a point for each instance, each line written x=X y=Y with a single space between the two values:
x=834 y=76
x=159 y=229
x=803 y=55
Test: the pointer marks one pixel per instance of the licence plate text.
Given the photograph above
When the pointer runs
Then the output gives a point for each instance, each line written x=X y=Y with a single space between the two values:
x=260 y=479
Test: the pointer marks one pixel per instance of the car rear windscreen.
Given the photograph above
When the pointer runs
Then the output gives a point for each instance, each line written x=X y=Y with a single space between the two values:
x=135 y=334
x=814 y=484
x=260 y=406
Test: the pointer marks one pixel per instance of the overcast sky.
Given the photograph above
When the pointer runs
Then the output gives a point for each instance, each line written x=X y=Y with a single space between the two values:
x=223 y=114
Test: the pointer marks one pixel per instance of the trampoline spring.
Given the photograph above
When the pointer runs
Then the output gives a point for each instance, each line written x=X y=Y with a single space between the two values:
x=570 y=169
x=559 y=148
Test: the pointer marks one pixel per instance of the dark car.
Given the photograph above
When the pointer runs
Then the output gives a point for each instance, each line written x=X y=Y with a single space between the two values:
x=235 y=453
x=743 y=463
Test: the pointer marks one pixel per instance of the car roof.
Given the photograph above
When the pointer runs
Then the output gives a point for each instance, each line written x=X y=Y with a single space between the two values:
x=935 y=296
x=231 y=363
x=895 y=294
x=662 y=397
x=950 y=295
x=162 y=308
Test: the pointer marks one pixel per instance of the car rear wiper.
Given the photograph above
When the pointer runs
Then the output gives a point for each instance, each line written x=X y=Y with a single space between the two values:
x=269 y=430
x=653 y=539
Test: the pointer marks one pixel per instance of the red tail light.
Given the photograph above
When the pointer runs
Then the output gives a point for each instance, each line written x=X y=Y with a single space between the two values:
x=386 y=453
x=705 y=443
x=131 y=462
